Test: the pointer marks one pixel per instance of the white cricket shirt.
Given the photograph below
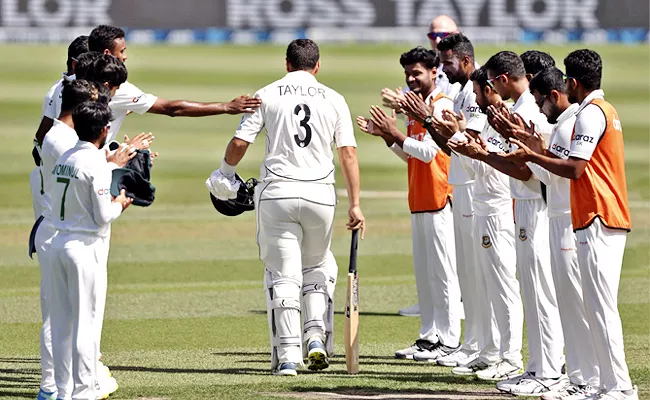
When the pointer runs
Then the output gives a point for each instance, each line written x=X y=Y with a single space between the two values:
x=491 y=187
x=52 y=100
x=527 y=109
x=81 y=198
x=559 y=188
x=59 y=139
x=303 y=118
x=590 y=126
x=127 y=98
x=465 y=102
x=426 y=149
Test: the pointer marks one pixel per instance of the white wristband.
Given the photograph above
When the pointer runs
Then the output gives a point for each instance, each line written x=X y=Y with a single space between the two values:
x=227 y=169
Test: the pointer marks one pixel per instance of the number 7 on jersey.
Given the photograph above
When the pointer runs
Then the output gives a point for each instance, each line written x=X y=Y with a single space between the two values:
x=351 y=327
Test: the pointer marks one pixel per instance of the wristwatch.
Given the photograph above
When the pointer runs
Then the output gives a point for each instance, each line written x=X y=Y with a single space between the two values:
x=428 y=121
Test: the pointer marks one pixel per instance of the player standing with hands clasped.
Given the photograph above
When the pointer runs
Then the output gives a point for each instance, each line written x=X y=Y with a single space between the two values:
x=295 y=203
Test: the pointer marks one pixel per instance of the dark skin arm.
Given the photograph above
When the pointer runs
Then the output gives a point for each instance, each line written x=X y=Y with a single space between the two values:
x=43 y=128
x=572 y=168
x=185 y=108
x=496 y=161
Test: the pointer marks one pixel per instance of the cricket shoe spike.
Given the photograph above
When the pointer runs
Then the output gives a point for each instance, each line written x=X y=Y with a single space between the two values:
x=317 y=356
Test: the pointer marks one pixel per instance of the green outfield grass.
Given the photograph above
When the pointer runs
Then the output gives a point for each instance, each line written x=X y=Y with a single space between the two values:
x=185 y=316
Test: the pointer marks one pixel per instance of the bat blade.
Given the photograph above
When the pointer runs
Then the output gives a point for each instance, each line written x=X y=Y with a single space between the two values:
x=351 y=328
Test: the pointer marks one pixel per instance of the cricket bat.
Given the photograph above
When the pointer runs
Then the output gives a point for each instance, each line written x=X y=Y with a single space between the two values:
x=352 y=311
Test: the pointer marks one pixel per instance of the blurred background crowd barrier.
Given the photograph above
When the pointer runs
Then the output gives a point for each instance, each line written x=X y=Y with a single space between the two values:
x=277 y=21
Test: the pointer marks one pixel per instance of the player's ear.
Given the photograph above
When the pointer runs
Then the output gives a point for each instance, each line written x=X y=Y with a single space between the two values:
x=107 y=51
x=317 y=67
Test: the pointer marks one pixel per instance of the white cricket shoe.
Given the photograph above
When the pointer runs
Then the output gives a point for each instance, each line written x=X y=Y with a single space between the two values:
x=286 y=369
x=431 y=355
x=506 y=385
x=538 y=386
x=418 y=346
x=499 y=371
x=103 y=369
x=105 y=386
x=572 y=392
x=412 y=311
x=317 y=356
x=470 y=368
x=618 y=395
x=460 y=357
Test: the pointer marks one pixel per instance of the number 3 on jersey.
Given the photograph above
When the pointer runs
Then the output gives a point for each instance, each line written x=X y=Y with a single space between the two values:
x=303 y=124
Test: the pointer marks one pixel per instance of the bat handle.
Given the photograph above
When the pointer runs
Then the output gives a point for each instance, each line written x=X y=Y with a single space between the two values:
x=353 y=251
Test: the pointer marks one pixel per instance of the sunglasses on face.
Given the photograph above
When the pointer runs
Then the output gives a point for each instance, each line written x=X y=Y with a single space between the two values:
x=541 y=101
x=435 y=35
x=490 y=82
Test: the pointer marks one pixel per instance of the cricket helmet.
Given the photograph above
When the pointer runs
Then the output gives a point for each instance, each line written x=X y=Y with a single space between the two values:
x=243 y=202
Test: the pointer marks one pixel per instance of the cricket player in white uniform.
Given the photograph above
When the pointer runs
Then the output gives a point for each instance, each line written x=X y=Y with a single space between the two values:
x=457 y=55
x=59 y=139
x=600 y=216
x=295 y=202
x=429 y=202
x=549 y=91
x=84 y=210
x=507 y=75
x=75 y=49
x=500 y=312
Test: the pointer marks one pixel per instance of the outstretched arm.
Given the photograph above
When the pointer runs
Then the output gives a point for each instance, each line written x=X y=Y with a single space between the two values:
x=185 y=108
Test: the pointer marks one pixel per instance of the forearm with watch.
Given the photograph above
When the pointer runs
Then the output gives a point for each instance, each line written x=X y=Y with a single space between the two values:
x=440 y=140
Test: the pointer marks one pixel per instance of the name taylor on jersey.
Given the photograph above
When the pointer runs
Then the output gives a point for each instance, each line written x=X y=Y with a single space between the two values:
x=299 y=90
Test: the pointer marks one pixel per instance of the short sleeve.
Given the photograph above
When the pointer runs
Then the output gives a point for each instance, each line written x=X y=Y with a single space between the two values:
x=251 y=124
x=343 y=130
x=590 y=126
x=130 y=98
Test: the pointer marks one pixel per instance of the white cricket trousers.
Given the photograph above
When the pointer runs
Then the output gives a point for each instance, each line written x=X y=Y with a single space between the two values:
x=582 y=369
x=463 y=211
x=543 y=324
x=434 y=262
x=76 y=260
x=600 y=256
x=43 y=242
x=294 y=233
x=501 y=314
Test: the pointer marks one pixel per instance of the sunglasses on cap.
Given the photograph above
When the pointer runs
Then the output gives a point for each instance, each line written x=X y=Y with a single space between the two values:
x=490 y=82
x=435 y=35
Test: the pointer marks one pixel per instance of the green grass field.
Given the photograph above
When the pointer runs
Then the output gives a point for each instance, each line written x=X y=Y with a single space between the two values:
x=186 y=316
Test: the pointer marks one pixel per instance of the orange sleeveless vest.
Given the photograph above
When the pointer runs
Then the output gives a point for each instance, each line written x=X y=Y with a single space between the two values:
x=428 y=187
x=601 y=191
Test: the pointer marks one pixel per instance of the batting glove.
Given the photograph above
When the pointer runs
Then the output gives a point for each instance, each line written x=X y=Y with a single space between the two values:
x=223 y=185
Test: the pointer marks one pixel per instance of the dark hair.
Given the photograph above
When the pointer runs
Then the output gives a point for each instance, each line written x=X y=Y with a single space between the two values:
x=75 y=49
x=479 y=76
x=107 y=69
x=506 y=62
x=586 y=67
x=303 y=54
x=459 y=44
x=546 y=80
x=79 y=91
x=535 y=61
x=103 y=38
x=89 y=120
x=429 y=58
x=84 y=63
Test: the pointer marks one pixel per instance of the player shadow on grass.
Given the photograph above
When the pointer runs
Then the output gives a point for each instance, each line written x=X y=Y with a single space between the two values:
x=370 y=392
x=361 y=313
x=20 y=360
